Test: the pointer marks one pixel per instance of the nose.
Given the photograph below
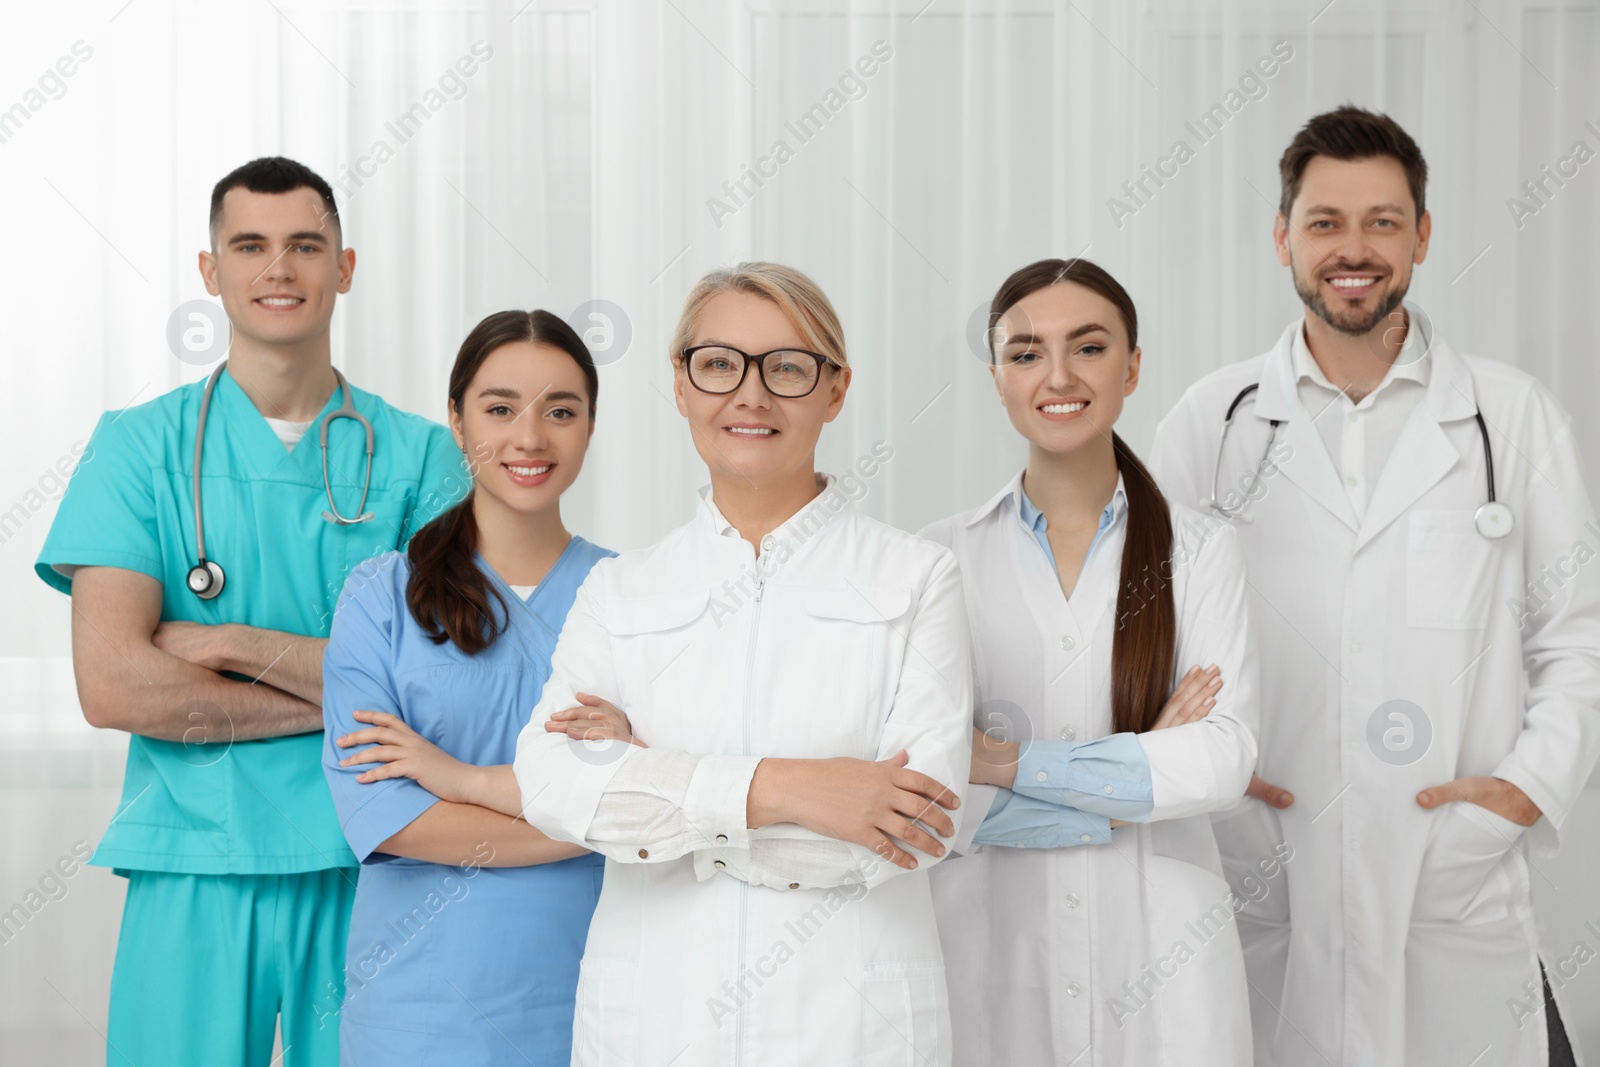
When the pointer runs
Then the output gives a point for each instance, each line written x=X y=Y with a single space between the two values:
x=528 y=432
x=1063 y=377
x=281 y=269
x=752 y=393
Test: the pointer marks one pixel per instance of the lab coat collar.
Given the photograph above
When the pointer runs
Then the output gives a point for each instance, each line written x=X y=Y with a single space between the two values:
x=1439 y=368
x=803 y=524
x=1422 y=454
x=1011 y=495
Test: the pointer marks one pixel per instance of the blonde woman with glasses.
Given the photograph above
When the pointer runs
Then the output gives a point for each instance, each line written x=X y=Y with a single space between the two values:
x=801 y=674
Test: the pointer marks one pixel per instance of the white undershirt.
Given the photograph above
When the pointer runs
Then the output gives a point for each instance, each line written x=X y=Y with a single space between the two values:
x=523 y=591
x=289 y=432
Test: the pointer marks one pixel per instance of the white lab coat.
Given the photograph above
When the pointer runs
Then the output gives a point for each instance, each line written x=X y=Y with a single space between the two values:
x=1407 y=936
x=847 y=638
x=1122 y=953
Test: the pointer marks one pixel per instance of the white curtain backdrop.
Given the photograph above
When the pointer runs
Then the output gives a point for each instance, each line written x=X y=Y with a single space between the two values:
x=613 y=151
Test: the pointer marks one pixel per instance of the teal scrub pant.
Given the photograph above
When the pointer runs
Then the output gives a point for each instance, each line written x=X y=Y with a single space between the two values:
x=207 y=962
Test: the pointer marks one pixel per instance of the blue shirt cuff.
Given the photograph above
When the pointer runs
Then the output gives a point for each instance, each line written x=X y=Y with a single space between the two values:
x=1109 y=776
x=1018 y=821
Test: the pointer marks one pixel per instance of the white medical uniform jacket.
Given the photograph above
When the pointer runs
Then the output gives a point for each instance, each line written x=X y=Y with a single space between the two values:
x=1123 y=952
x=1402 y=650
x=712 y=943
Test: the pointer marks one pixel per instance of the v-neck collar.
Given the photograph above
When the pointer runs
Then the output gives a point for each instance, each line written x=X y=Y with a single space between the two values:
x=251 y=431
x=529 y=604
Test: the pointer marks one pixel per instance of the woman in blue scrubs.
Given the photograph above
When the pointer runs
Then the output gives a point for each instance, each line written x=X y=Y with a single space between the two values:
x=468 y=925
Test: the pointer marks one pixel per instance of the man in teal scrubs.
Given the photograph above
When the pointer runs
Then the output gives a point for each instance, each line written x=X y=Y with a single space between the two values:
x=239 y=878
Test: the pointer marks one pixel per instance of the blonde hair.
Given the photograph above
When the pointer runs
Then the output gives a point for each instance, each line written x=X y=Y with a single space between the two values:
x=796 y=295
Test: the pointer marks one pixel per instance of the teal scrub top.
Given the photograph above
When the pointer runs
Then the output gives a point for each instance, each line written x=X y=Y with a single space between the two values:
x=246 y=807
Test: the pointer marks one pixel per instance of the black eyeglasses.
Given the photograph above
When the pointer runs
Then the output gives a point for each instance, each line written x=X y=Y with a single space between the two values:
x=787 y=372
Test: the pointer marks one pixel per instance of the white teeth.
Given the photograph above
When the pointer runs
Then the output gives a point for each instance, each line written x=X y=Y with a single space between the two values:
x=1351 y=283
x=1063 y=409
x=279 y=301
x=750 y=431
x=527 y=472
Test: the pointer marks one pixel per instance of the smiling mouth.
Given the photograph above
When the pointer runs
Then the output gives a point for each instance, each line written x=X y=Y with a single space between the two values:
x=528 y=474
x=1353 y=284
x=750 y=431
x=280 y=303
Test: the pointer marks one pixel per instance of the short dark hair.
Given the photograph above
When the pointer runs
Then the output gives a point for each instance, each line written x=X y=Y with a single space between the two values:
x=1351 y=132
x=273 y=174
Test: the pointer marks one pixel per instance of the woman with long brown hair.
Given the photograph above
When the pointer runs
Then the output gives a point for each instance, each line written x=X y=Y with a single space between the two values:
x=1087 y=920
x=468 y=925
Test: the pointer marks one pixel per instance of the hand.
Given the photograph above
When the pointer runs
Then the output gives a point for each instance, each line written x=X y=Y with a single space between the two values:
x=593 y=720
x=401 y=752
x=1264 y=790
x=196 y=642
x=1193 y=699
x=1495 y=794
x=994 y=762
x=873 y=804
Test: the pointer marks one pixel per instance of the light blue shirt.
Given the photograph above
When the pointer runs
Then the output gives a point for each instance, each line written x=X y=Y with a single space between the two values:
x=1067 y=792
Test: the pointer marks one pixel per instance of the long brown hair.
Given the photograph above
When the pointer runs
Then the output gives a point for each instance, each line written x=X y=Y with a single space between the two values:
x=1144 y=645
x=447 y=593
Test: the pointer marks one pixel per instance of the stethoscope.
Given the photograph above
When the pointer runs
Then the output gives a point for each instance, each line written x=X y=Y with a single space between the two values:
x=205 y=579
x=1494 y=520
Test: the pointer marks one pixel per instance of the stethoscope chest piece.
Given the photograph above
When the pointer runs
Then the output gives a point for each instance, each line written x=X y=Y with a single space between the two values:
x=1494 y=520
x=206 y=580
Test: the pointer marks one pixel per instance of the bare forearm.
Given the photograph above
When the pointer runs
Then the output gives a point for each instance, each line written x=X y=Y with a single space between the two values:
x=465 y=834
x=145 y=691
x=495 y=787
x=291 y=662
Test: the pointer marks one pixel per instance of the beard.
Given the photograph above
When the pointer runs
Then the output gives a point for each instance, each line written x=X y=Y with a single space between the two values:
x=1353 y=321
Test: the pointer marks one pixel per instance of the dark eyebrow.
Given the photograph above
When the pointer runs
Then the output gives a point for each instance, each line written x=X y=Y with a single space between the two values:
x=509 y=393
x=1072 y=335
x=303 y=237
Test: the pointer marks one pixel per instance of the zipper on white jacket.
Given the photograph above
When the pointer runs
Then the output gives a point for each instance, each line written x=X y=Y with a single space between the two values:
x=744 y=888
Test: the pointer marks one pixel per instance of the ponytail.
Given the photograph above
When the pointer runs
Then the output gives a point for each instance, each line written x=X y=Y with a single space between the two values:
x=448 y=593
x=1144 y=645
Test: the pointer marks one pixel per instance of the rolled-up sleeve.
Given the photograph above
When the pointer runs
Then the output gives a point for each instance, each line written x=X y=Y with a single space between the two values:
x=1109 y=776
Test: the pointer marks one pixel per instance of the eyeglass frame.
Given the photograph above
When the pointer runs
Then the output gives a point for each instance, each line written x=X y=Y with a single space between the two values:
x=822 y=361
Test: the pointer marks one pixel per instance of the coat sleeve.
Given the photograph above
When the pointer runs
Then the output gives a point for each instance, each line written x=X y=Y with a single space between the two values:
x=1560 y=737
x=1182 y=457
x=930 y=718
x=1205 y=766
x=630 y=804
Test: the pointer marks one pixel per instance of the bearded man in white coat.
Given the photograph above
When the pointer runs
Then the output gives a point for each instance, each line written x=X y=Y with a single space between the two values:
x=1430 y=661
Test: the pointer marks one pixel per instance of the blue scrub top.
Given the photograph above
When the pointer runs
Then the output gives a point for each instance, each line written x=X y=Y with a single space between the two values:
x=246 y=807
x=448 y=964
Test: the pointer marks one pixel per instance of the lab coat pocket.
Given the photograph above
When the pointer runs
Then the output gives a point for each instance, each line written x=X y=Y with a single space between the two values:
x=842 y=664
x=651 y=634
x=603 y=1033
x=1463 y=877
x=905 y=1015
x=1448 y=567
